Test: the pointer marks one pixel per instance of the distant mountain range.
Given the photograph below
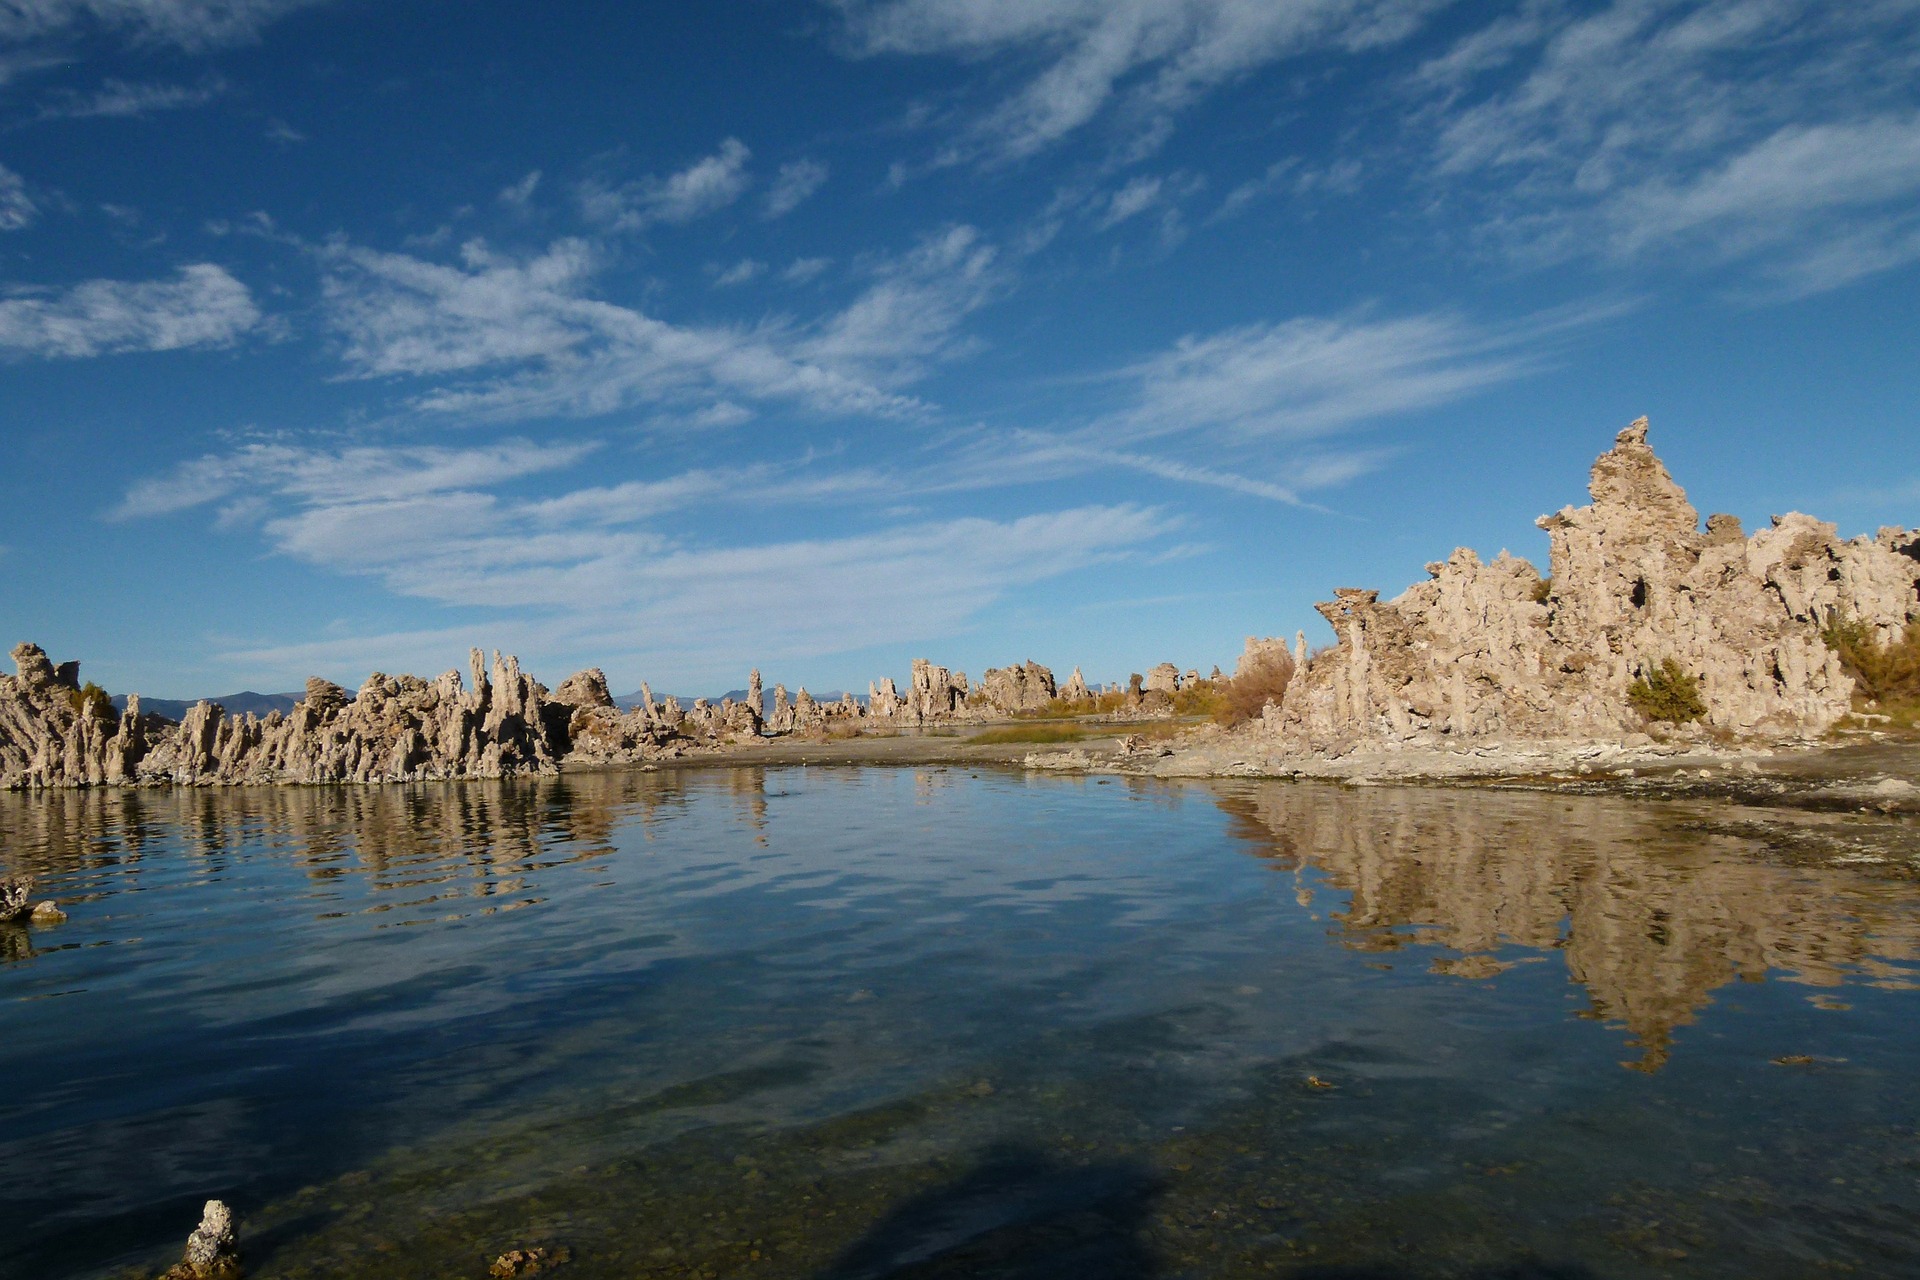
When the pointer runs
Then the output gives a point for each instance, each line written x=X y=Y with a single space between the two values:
x=237 y=704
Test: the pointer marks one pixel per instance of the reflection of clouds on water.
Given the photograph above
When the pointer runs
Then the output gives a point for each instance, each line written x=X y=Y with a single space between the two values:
x=1652 y=909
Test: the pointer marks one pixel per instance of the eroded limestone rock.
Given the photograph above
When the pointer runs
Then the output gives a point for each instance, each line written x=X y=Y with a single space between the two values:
x=1011 y=690
x=395 y=729
x=212 y=1250
x=1494 y=650
x=14 y=892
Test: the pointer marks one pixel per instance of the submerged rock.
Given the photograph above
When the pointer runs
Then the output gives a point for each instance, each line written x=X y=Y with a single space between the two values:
x=529 y=1262
x=212 y=1250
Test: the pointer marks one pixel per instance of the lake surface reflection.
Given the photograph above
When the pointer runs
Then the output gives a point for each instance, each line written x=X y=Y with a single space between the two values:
x=817 y=1022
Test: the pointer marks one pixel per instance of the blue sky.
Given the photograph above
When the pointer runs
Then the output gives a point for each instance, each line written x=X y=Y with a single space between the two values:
x=823 y=334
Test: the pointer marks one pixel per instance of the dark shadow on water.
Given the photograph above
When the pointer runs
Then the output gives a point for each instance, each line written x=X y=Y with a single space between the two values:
x=1502 y=1271
x=1018 y=1215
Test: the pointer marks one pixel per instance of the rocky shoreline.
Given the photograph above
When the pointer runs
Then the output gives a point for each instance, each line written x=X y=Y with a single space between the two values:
x=1651 y=640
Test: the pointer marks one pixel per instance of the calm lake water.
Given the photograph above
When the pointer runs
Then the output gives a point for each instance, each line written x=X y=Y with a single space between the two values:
x=844 y=1023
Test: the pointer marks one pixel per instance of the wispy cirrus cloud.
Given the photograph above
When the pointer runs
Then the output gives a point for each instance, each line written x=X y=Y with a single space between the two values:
x=741 y=272
x=1779 y=133
x=1312 y=375
x=794 y=185
x=351 y=476
x=706 y=186
x=119 y=98
x=593 y=567
x=1259 y=410
x=17 y=209
x=909 y=315
x=1142 y=60
x=189 y=24
x=202 y=306
x=526 y=338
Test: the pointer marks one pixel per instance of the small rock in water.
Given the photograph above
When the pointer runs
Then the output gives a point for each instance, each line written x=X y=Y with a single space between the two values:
x=48 y=913
x=212 y=1251
x=529 y=1262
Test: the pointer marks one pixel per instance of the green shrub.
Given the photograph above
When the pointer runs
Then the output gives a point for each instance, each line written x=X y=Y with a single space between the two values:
x=1201 y=698
x=1883 y=672
x=91 y=700
x=1667 y=692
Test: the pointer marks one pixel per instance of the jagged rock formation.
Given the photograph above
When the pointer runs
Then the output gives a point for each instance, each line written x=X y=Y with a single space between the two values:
x=14 y=894
x=935 y=692
x=884 y=701
x=395 y=729
x=1075 y=689
x=212 y=1250
x=1494 y=650
x=1010 y=690
x=1164 y=678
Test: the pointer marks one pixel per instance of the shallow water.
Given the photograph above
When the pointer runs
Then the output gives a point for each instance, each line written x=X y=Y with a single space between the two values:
x=893 y=1022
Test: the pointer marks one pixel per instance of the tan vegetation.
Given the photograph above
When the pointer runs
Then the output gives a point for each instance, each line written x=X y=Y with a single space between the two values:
x=1882 y=673
x=1030 y=733
x=1100 y=704
x=1260 y=679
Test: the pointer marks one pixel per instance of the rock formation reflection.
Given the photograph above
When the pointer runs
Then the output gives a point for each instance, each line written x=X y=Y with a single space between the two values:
x=411 y=845
x=1654 y=906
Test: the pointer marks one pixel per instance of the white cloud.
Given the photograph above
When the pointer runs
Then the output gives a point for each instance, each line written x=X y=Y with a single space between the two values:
x=347 y=477
x=122 y=99
x=740 y=273
x=549 y=348
x=202 y=307
x=542 y=346
x=1135 y=198
x=1312 y=375
x=794 y=184
x=1793 y=190
x=1762 y=130
x=582 y=569
x=706 y=186
x=519 y=193
x=403 y=315
x=911 y=314
x=801 y=270
x=1151 y=58
x=17 y=209
x=190 y=24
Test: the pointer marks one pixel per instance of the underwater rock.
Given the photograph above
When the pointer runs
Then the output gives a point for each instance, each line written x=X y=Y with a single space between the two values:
x=529 y=1262
x=212 y=1249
